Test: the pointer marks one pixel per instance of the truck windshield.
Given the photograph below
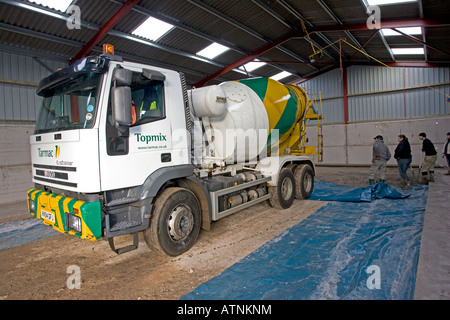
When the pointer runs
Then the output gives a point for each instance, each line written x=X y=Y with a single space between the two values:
x=70 y=105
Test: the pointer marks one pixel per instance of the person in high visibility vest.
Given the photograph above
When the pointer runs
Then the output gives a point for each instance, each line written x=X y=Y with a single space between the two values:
x=149 y=101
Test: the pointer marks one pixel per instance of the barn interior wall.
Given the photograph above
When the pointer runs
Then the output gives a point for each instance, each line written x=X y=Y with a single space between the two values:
x=351 y=144
x=15 y=161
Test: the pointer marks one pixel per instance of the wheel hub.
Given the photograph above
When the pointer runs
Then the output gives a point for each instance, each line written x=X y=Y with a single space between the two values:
x=181 y=223
x=286 y=188
x=308 y=182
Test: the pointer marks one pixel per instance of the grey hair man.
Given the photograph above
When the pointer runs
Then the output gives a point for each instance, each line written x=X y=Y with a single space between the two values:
x=380 y=157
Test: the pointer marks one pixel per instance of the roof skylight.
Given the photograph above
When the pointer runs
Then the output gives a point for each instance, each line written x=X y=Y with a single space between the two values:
x=281 y=75
x=253 y=65
x=410 y=31
x=60 y=5
x=213 y=51
x=407 y=51
x=152 y=29
x=384 y=2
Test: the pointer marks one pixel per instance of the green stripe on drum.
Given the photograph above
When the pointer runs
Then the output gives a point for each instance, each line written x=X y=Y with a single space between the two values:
x=289 y=116
x=287 y=119
x=259 y=85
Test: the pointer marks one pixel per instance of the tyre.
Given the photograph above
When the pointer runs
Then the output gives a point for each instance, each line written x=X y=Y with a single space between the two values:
x=284 y=193
x=175 y=222
x=304 y=181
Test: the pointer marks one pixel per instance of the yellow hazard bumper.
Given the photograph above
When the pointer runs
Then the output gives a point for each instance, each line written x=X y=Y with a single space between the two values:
x=66 y=215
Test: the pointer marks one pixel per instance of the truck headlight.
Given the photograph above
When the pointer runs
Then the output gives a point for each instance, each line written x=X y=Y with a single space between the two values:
x=73 y=222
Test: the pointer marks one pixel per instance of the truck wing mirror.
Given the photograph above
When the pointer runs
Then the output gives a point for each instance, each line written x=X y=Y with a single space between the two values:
x=122 y=77
x=121 y=99
x=121 y=106
x=153 y=75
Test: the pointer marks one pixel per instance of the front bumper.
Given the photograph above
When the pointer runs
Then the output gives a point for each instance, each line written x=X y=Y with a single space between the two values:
x=67 y=215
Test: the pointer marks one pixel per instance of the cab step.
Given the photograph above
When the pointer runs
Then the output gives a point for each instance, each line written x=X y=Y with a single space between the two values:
x=125 y=249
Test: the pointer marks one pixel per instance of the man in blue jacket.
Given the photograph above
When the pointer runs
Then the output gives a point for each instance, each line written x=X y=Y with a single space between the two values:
x=430 y=158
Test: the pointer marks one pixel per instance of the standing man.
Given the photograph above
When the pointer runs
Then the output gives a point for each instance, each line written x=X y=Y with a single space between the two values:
x=380 y=157
x=446 y=153
x=403 y=156
x=430 y=158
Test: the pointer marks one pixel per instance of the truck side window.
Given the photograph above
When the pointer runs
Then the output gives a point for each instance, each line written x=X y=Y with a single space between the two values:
x=148 y=101
x=148 y=106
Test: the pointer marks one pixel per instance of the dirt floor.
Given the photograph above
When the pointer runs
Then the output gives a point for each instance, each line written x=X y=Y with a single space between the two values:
x=38 y=270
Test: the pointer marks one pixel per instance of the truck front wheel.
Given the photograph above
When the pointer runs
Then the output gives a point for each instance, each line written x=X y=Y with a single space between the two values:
x=175 y=222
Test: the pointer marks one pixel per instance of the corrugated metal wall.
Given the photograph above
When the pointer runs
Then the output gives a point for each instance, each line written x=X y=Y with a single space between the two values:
x=330 y=85
x=381 y=93
x=19 y=76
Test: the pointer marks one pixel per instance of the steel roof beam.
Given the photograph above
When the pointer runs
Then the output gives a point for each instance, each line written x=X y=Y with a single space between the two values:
x=253 y=55
x=407 y=64
x=421 y=42
x=296 y=14
x=178 y=24
x=383 y=25
x=92 y=26
x=243 y=27
x=104 y=30
x=365 y=44
x=299 y=34
x=336 y=19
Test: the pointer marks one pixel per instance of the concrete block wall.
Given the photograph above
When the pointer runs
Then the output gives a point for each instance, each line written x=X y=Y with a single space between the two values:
x=15 y=162
x=351 y=144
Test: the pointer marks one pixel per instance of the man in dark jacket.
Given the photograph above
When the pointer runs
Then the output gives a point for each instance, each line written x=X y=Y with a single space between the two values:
x=430 y=158
x=404 y=158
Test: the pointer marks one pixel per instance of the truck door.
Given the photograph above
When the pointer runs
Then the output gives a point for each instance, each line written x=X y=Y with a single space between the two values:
x=145 y=146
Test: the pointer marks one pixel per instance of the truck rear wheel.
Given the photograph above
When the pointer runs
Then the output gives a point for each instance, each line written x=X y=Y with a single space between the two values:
x=304 y=181
x=284 y=193
x=175 y=222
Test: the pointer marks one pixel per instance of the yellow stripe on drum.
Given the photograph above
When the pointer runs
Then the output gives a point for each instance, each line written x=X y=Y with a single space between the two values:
x=275 y=101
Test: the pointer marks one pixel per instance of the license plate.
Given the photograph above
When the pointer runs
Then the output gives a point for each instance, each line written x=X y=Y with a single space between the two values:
x=48 y=216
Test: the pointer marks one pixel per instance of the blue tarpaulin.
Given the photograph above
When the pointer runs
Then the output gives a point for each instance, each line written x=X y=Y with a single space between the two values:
x=362 y=245
x=329 y=192
x=14 y=234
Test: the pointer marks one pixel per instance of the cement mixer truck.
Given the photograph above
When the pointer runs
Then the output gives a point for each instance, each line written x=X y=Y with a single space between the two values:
x=121 y=148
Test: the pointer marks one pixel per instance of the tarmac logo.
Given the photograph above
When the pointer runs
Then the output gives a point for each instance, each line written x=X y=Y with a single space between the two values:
x=49 y=153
